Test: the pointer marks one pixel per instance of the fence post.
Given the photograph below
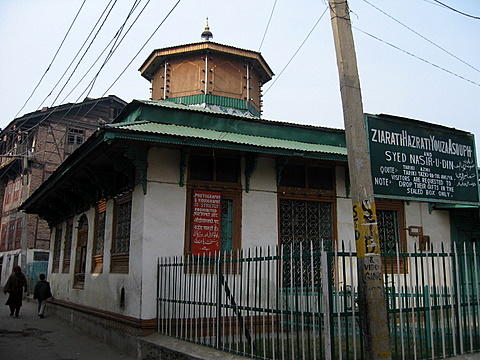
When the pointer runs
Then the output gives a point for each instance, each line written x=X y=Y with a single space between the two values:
x=327 y=315
x=219 y=299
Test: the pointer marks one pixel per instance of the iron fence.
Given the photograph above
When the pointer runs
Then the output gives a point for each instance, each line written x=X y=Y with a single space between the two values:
x=243 y=302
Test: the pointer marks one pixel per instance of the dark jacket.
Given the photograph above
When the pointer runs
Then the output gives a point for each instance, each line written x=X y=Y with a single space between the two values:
x=42 y=290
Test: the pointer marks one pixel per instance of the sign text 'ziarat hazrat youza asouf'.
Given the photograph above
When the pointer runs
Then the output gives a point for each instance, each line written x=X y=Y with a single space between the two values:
x=412 y=159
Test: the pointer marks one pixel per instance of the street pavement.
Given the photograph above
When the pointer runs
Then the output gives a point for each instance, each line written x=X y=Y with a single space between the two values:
x=29 y=337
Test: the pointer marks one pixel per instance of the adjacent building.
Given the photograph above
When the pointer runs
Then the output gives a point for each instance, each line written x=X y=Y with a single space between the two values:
x=31 y=148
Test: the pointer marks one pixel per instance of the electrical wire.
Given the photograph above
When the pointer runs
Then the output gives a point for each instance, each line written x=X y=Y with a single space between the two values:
x=268 y=24
x=65 y=72
x=51 y=62
x=136 y=55
x=296 y=52
x=74 y=104
x=103 y=51
x=457 y=11
x=86 y=51
x=143 y=46
x=75 y=57
x=118 y=77
x=114 y=47
x=423 y=37
x=417 y=57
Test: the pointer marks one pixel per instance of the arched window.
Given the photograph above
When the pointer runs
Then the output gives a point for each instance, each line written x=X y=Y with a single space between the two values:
x=81 y=253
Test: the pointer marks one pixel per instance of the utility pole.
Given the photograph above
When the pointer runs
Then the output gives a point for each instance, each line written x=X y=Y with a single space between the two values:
x=372 y=305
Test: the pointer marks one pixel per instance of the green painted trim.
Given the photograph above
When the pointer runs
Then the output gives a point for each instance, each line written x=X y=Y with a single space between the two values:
x=215 y=100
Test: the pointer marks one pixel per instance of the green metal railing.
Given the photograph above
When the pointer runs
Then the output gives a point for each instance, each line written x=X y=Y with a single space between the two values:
x=243 y=303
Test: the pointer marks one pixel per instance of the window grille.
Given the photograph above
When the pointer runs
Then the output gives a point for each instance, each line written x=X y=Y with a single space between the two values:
x=67 y=249
x=56 y=249
x=391 y=235
x=309 y=223
x=226 y=232
x=388 y=231
x=122 y=228
x=97 y=258
x=121 y=243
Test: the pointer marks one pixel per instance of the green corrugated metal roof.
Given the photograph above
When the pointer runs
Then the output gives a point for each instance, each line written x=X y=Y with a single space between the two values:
x=165 y=112
x=153 y=128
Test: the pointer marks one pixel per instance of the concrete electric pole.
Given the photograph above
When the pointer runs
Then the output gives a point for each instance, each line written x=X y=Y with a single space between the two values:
x=372 y=305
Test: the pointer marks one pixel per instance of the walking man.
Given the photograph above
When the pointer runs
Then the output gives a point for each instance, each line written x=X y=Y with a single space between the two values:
x=42 y=292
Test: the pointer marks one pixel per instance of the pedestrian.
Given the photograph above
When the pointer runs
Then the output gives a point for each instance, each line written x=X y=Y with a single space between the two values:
x=42 y=292
x=14 y=287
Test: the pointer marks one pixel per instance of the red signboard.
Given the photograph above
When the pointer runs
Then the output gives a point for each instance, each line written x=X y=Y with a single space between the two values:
x=207 y=207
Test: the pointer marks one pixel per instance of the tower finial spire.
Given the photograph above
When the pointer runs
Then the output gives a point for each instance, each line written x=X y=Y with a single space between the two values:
x=207 y=34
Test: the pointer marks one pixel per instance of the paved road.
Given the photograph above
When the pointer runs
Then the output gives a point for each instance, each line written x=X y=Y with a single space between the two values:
x=29 y=337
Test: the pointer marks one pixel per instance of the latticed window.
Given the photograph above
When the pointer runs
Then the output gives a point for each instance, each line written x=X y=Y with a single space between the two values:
x=388 y=231
x=98 y=247
x=67 y=249
x=56 y=249
x=226 y=232
x=81 y=253
x=18 y=234
x=391 y=236
x=122 y=227
x=121 y=243
x=100 y=234
x=304 y=226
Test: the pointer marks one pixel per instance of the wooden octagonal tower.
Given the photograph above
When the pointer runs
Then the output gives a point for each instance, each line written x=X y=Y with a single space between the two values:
x=208 y=74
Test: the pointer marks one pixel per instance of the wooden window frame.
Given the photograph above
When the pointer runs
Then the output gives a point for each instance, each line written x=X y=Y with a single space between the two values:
x=16 y=189
x=8 y=193
x=229 y=190
x=11 y=235
x=120 y=261
x=97 y=259
x=57 y=243
x=18 y=233
x=76 y=133
x=307 y=191
x=67 y=247
x=81 y=253
x=214 y=182
x=227 y=194
x=389 y=263
x=3 y=246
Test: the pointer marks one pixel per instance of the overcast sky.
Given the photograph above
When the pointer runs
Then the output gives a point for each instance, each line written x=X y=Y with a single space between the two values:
x=421 y=60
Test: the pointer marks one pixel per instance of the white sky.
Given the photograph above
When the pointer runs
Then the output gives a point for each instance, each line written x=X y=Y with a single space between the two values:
x=307 y=92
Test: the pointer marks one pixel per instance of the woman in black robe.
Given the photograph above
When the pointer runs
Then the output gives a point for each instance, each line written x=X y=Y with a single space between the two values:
x=14 y=287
